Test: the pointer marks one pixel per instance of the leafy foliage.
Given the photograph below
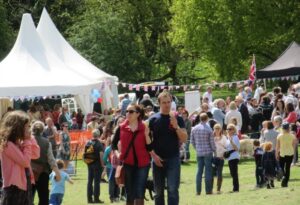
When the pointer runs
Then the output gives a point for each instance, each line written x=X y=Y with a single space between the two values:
x=181 y=41
x=228 y=32
x=5 y=32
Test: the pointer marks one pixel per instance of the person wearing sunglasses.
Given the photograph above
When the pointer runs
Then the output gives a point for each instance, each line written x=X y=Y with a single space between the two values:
x=233 y=144
x=65 y=146
x=132 y=134
x=218 y=160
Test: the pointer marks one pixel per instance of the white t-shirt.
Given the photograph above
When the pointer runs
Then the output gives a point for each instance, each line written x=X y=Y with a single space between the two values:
x=209 y=96
x=257 y=93
x=220 y=145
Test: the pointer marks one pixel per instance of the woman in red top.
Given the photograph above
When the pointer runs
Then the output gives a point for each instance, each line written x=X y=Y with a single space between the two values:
x=290 y=113
x=134 y=153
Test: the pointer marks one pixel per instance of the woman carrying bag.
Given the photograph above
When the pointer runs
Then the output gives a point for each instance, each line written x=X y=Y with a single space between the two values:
x=233 y=146
x=133 y=153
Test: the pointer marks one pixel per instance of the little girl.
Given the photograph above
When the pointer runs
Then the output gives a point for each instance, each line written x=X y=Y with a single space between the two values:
x=269 y=165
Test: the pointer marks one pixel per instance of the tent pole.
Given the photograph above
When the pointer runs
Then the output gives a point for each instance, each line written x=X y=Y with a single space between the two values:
x=265 y=84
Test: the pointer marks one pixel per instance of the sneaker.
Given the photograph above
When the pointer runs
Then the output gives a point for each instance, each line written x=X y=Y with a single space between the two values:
x=98 y=201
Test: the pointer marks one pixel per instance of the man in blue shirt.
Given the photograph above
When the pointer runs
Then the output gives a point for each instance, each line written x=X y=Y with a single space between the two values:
x=203 y=141
x=167 y=131
x=124 y=104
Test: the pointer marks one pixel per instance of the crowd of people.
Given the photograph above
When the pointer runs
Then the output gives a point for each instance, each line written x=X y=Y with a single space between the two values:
x=35 y=146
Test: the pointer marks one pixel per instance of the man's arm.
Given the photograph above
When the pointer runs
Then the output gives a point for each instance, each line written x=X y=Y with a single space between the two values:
x=179 y=128
x=181 y=134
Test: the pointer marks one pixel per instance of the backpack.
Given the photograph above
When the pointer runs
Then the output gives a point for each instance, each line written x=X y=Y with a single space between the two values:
x=89 y=155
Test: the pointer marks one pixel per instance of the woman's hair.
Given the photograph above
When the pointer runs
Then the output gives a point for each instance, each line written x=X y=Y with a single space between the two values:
x=12 y=127
x=279 y=101
x=268 y=146
x=56 y=107
x=37 y=128
x=233 y=120
x=218 y=126
x=270 y=125
x=108 y=129
x=139 y=110
x=289 y=107
x=217 y=101
x=232 y=126
x=32 y=108
x=185 y=112
x=232 y=106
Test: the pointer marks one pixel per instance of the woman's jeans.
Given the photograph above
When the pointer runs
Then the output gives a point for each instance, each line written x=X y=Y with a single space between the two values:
x=135 y=182
x=233 y=167
x=218 y=167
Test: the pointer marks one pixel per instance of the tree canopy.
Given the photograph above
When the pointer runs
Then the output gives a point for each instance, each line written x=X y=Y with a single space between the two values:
x=179 y=41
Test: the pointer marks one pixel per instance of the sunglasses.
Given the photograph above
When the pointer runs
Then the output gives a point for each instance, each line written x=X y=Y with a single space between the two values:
x=229 y=129
x=130 y=111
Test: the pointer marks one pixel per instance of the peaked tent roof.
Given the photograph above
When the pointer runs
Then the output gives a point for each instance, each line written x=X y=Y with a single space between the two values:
x=287 y=64
x=28 y=70
x=56 y=43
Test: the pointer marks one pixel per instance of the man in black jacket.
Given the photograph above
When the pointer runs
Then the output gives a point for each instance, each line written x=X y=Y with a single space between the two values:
x=242 y=107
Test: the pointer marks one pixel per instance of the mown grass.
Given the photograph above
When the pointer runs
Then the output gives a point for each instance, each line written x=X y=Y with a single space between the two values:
x=76 y=194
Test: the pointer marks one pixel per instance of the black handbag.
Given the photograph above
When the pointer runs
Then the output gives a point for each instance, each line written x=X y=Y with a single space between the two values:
x=228 y=153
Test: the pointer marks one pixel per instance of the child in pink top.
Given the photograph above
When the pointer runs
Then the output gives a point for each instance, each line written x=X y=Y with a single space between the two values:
x=17 y=148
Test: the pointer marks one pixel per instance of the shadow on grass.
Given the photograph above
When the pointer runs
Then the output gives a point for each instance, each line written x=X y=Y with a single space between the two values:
x=294 y=180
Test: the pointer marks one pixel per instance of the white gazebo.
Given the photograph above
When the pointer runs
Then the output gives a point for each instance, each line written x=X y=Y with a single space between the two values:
x=30 y=70
x=55 y=43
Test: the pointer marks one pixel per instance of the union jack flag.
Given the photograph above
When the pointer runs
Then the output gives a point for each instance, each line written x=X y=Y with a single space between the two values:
x=252 y=72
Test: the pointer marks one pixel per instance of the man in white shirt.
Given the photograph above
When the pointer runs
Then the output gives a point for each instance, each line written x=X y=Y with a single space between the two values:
x=208 y=94
x=258 y=91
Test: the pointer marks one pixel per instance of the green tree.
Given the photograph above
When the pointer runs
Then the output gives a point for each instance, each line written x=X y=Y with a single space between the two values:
x=5 y=32
x=228 y=32
x=128 y=39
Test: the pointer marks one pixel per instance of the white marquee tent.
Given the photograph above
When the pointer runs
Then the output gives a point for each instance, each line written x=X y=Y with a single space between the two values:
x=28 y=70
x=55 y=43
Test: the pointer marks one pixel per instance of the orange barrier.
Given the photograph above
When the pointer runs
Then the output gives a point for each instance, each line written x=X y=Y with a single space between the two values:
x=78 y=141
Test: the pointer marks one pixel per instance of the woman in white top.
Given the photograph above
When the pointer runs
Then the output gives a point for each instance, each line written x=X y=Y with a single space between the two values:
x=233 y=113
x=218 y=160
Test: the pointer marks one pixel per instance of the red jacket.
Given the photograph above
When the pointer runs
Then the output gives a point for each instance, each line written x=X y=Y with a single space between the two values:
x=139 y=145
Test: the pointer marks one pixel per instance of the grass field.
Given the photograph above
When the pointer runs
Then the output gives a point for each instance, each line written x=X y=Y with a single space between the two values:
x=76 y=194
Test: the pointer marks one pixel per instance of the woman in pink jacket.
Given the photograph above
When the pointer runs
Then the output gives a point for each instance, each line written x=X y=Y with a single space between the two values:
x=17 y=148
